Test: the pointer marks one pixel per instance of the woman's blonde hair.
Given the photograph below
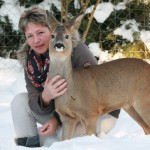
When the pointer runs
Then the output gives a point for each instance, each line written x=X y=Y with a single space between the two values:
x=34 y=14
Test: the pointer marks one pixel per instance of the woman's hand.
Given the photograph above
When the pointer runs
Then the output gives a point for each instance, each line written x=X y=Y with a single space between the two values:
x=53 y=88
x=49 y=128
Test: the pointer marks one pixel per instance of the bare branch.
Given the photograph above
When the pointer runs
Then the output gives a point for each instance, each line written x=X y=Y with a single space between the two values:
x=90 y=21
x=64 y=10
x=86 y=5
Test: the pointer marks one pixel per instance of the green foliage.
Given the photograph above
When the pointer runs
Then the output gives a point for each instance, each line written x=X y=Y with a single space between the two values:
x=28 y=3
x=103 y=32
x=9 y=38
x=99 y=32
x=137 y=49
x=1 y=3
x=56 y=12
x=72 y=10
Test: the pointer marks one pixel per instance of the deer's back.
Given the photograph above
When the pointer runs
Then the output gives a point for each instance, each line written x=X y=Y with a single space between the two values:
x=119 y=79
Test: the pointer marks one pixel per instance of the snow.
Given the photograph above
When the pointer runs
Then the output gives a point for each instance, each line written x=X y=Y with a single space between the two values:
x=145 y=37
x=103 y=56
x=100 y=13
x=47 y=4
x=127 y=134
x=76 y=4
x=127 y=29
x=120 y=6
x=13 y=10
x=97 y=52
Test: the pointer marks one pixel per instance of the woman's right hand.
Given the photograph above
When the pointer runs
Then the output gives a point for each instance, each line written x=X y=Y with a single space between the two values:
x=53 y=88
x=49 y=128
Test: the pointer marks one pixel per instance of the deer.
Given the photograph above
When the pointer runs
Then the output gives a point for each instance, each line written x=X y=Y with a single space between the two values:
x=95 y=90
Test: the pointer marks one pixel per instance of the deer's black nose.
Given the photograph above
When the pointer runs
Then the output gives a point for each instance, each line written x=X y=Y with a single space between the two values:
x=59 y=45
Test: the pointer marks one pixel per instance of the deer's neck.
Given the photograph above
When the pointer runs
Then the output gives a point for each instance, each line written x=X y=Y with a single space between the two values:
x=60 y=66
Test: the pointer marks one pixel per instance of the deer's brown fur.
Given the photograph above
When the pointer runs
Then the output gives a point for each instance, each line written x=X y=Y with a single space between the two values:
x=96 y=90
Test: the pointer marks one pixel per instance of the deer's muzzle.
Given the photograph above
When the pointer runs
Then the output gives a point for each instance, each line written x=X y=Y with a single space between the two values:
x=59 y=47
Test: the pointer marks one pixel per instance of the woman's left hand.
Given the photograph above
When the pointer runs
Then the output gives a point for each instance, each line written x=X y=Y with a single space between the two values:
x=49 y=128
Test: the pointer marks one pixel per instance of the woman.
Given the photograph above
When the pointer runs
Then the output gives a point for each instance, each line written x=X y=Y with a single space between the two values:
x=37 y=106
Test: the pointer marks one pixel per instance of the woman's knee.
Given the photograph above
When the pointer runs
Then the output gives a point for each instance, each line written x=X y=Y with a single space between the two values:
x=19 y=102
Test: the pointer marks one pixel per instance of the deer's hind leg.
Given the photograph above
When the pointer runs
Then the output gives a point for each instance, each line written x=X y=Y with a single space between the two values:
x=135 y=115
x=143 y=108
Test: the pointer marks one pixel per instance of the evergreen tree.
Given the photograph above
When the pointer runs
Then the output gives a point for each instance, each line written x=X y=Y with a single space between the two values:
x=99 y=32
x=1 y=3
x=103 y=32
x=28 y=3
x=9 y=38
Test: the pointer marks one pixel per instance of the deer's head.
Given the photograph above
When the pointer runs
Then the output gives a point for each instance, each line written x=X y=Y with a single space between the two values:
x=62 y=34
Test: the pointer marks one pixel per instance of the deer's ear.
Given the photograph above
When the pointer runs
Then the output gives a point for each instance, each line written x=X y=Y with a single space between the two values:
x=52 y=21
x=75 y=22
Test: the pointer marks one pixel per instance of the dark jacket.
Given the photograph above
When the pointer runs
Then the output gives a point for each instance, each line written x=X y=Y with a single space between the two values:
x=80 y=57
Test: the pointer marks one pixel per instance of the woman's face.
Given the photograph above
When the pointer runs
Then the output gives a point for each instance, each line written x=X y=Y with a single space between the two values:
x=38 y=37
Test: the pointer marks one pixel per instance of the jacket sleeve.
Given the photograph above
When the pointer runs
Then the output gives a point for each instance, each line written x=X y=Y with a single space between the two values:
x=82 y=56
x=35 y=99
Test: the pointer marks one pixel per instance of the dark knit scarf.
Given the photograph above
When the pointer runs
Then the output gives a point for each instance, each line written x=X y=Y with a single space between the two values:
x=37 y=68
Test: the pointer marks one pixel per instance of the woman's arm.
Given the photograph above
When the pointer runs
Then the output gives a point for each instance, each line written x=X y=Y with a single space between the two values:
x=35 y=99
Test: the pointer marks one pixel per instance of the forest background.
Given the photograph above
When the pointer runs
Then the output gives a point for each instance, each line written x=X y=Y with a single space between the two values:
x=106 y=22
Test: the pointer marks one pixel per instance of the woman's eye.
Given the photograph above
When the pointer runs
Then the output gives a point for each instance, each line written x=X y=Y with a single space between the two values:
x=53 y=36
x=66 y=36
x=41 y=32
x=29 y=36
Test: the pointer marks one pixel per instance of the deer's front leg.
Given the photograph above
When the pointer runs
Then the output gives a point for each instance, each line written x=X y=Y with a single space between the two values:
x=68 y=128
x=90 y=125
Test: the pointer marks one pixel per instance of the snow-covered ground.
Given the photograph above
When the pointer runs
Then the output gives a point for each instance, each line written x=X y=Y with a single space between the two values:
x=127 y=134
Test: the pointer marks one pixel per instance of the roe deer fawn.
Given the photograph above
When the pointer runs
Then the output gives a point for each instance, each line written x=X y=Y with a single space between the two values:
x=99 y=89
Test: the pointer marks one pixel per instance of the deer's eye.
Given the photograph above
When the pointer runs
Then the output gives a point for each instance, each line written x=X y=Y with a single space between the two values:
x=53 y=36
x=66 y=36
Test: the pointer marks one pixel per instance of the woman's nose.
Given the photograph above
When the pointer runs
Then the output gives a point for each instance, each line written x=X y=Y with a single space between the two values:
x=36 y=39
